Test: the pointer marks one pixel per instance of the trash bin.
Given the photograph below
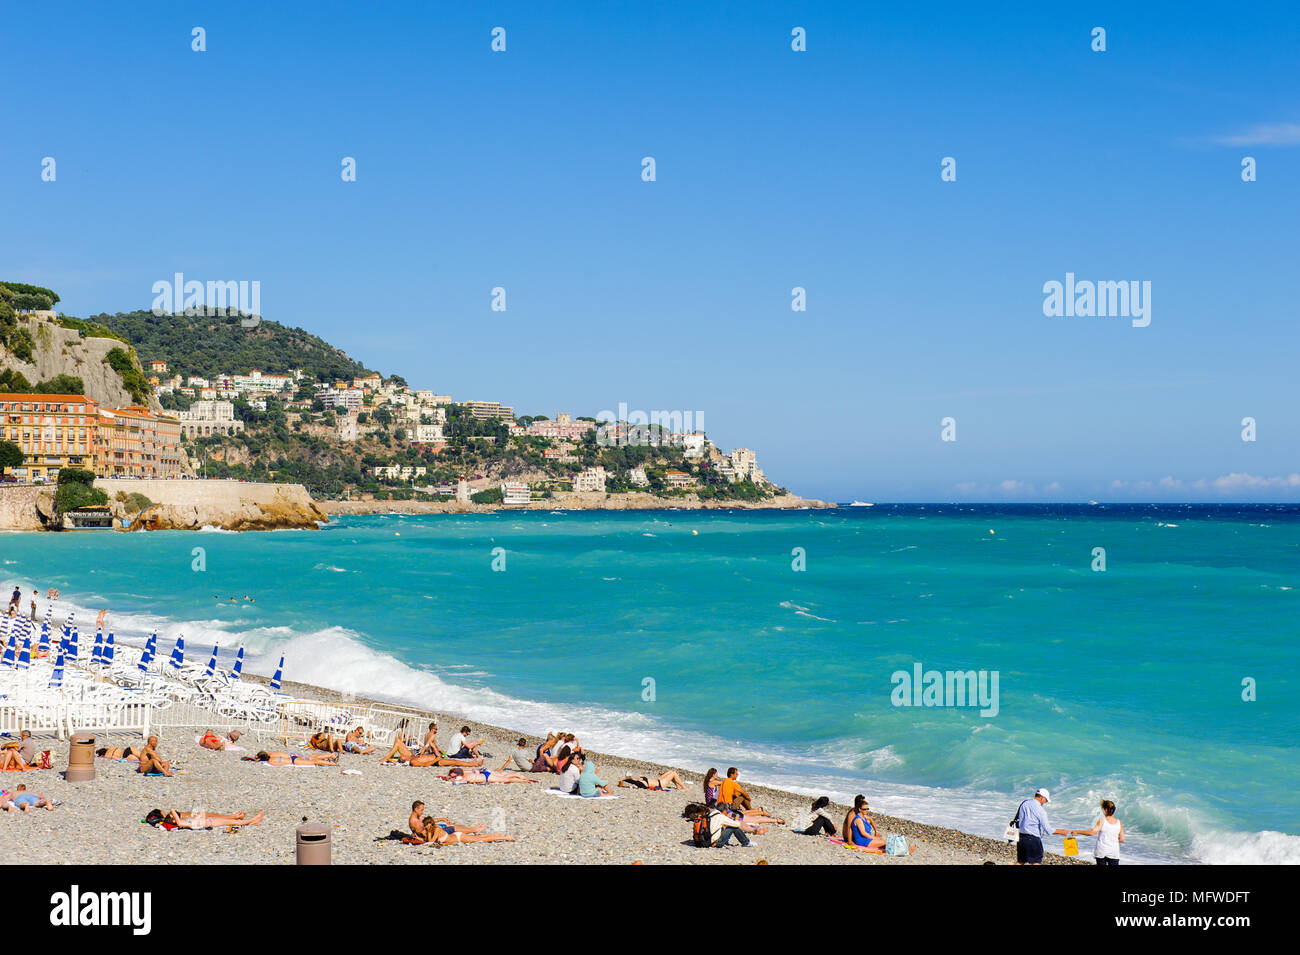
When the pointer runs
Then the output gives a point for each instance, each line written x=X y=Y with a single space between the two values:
x=313 y=844
x=81 y=759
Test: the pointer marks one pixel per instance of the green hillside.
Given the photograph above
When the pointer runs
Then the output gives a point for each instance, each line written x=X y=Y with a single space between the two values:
x=210 y=346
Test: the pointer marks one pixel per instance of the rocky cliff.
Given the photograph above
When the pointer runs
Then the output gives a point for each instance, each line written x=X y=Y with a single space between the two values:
x=62 y=351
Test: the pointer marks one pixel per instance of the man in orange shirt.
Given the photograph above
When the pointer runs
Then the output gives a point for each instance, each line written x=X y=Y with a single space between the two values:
x=731 y=795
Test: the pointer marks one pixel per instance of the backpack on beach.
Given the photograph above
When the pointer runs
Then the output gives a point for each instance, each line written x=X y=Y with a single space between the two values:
x=701 y=833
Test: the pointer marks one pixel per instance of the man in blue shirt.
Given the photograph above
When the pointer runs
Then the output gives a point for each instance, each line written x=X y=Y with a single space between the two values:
x=1031 y=820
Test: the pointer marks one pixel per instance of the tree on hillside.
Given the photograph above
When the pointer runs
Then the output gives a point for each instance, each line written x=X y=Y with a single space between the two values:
x=11 y=456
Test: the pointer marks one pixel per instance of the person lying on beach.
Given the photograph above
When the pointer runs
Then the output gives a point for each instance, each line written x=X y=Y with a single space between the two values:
x=151 y=762
x=520 y=759
x=199 y=819
x=459 y=776
x=861 y=831
x=325 y=742
x=822 y=824
x=461 y=748
x=654 y=783
x=403 y=753
x=119 y=752
x=422 y=826
x=296 y=759
x=24 y=801
x=210 y=740
x=443 y=834
x=355 y=742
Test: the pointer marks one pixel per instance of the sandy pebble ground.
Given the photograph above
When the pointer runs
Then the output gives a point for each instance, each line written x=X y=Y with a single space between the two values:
x=99 y=822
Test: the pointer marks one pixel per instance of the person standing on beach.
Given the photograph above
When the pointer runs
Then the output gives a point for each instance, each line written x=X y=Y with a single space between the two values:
x=1031 y=820
x=15 y=600
x=1109 y=832
x=33 y=606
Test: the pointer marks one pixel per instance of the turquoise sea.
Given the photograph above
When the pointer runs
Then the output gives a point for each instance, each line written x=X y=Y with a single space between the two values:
x=689 y=637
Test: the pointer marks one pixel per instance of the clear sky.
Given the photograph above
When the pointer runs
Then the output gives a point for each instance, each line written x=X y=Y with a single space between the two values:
x=774 y=169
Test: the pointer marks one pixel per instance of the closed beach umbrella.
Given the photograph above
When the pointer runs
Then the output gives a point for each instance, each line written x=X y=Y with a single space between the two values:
x=11 y=653
x=212 y=664
x=72 y=643
x=56 y=678
x=108 y=649
x=44 y=643
x=279 y=674
x=25 y=657
x=178 y=652
x=4 y=629
x=97 y=654
x=239 y=664
x=150 y=648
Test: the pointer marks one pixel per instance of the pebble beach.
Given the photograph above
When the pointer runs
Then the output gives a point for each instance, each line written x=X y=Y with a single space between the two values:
x=363 y=801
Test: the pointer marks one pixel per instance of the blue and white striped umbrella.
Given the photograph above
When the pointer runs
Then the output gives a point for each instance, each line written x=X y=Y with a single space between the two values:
x=56 y=678
x=25 y=657
x=279 y=674
x=178 y=652
x=97 y=654
x=212 y=664
x=108 y=650
x=72 y=643
x=44 y=643
x=239 y=664
x=11 y=653
x=150 y=648
x=4 y=629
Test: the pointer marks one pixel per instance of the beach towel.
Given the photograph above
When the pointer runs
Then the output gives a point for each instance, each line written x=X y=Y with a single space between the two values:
x=841 y=842
x=563 y=795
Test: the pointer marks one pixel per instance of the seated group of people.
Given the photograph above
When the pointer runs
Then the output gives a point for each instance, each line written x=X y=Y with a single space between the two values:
x=858 y=829
x=353 y=742
x=460 y=751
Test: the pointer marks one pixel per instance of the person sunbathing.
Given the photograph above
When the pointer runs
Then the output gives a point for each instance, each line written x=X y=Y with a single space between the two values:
x=296 y=759
x=425 y=828
x=151 y=762
x=210 y=740
x=355 y=742
x=443 y=834
x=403 y=753
x=653 y=783
x=118 y=752
x=199 y=819
x=11 y=759
x=24 y=801
x=459 y=776
x=325 y=742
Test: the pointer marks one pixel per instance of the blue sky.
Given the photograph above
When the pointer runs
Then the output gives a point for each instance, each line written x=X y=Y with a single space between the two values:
x=775 y=169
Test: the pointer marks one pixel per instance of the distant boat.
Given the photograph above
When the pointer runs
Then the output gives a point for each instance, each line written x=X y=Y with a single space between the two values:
x=861 y=504
x=1092 y=502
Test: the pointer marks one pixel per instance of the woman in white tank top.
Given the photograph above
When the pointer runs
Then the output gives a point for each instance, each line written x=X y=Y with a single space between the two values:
x=1109 y=832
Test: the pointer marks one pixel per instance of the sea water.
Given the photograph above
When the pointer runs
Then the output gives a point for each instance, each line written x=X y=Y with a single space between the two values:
x=694 y=638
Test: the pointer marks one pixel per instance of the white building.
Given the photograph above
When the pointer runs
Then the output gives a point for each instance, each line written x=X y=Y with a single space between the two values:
x=209 y=417
x=592 y=479
x=515 y=493
x=427 y=434
x=638 y=478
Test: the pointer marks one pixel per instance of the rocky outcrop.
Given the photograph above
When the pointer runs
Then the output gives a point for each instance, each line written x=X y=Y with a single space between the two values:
x=62 y=351
x=228 y=505
x=24 y=507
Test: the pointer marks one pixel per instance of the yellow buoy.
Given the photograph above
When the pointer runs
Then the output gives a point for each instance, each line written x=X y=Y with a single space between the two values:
x=990 y=530
x=694 y=532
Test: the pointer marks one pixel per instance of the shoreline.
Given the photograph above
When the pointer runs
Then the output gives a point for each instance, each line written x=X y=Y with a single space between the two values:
x=571 y=501
x=363 y=801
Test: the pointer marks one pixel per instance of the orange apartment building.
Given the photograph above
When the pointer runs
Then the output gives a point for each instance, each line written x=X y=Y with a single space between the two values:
x=58 y=431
